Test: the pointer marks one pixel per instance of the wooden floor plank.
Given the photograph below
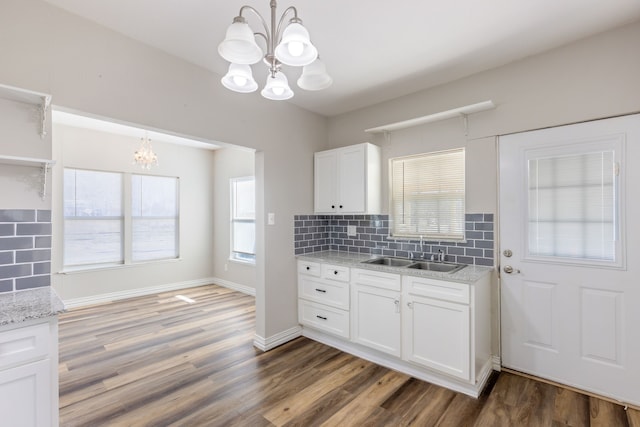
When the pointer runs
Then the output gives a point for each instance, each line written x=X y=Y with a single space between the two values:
x=606 y=414
x=157 y=360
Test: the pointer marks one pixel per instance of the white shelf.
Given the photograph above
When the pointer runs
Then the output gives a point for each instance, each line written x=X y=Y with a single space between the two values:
x=443 y=115
x=26 y=161
x=43 y=164
x=24 y=95
x=42 y=100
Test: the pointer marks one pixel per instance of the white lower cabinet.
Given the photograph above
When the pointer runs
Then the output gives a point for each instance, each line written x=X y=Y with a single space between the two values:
x=436 y=335
x=25 y=394
x=323 y=297
x=375 y=310
x=432 y=329
x=29 y=374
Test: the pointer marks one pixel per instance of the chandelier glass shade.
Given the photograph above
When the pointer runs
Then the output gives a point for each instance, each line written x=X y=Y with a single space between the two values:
x=287 y=43
x=144 y=155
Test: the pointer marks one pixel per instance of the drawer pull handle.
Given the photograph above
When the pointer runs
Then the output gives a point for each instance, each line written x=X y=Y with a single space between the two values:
x=321 y=290
x=321 y=317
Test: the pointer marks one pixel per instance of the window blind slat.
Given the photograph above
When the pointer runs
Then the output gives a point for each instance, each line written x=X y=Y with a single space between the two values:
x=427 y=195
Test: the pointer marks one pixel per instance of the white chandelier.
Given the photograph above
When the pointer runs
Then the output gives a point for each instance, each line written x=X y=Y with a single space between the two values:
x=144 y=156
x=289 y=45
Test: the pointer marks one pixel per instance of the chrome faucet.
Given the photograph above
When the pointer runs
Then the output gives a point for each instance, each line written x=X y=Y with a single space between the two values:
x=440 y=255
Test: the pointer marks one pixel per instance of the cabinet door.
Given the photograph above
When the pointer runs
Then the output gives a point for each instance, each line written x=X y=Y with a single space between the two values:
x=437 y=335
x=325 y=182
x=375 y=318
x=25 y=395
x=352 y=180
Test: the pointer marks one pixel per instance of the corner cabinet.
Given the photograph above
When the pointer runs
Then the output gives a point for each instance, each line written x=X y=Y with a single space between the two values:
x=348 y=180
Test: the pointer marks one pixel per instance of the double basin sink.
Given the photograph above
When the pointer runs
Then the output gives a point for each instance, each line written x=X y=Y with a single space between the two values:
x=443 y=267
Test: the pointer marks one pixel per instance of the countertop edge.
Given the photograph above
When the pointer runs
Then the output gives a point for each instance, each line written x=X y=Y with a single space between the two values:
x=470 y=274
x=30 y=304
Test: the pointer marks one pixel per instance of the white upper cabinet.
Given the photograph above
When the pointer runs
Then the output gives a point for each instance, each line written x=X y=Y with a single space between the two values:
x=347 y=180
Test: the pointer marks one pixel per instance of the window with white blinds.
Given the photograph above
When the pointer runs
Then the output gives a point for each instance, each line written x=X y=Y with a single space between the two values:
x=572 y=206
x=427 y=195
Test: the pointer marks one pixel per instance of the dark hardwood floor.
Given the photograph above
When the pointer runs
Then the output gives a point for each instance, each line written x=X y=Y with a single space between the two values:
x=160 y=361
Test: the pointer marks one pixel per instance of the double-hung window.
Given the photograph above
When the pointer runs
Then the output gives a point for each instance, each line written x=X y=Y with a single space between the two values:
x=100 y=229
x=93 y=217
x=243 y=219
x=427 y=196
x=154 y=216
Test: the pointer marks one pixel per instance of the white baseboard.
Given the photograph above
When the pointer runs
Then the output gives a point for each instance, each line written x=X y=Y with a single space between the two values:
x=266 y=344
x=130 y=293
x=235 y=286
x=496 y=363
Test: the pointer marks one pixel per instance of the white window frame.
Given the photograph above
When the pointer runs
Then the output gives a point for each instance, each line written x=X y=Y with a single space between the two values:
x=241 y=257
x=127 y=221
x=175 y=217
x=121 y=218
x=396 y=231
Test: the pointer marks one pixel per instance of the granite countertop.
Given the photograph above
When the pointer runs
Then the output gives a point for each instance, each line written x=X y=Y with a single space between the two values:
x=469 y=274
x=18 y=306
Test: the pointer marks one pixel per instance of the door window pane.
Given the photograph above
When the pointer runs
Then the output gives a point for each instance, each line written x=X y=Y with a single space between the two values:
x=572 y=206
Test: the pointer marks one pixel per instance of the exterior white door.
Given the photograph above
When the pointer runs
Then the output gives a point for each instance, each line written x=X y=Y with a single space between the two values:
x=570 y=255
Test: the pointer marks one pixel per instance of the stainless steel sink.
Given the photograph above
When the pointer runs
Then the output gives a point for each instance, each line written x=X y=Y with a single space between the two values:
x=391 y=262
x=443 y=267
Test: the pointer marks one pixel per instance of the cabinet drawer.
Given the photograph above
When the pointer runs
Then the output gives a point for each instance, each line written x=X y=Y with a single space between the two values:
x=335 y=272
x=376 y=278
x=323 y=317
x=22 y=345
x=439 y=289
x=309 y=268
x=329 y=292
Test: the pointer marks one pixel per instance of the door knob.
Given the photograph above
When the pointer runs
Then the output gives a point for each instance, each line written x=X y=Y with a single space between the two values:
x=508 y=269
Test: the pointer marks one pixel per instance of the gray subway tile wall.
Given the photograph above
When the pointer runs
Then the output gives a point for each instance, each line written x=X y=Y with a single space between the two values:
x=314 y=233
x=25 y=249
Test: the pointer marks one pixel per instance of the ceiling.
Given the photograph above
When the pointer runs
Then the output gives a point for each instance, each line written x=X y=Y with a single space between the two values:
x=374 y=50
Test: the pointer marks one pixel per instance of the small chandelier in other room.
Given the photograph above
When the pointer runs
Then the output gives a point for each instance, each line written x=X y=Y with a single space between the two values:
x=287 y=43
x=144 y=156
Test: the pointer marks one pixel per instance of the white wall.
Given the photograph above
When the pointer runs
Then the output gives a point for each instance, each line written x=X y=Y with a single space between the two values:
x=90 y=69
x=90 y=149
x=229 y=163
x=593 y=78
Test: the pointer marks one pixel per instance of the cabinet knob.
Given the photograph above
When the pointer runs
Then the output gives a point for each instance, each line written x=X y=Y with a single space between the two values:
x=409 y=305
x=340 y=206
x=333 y=206
x=335 y=272
x=397 y=303
x=308 y=268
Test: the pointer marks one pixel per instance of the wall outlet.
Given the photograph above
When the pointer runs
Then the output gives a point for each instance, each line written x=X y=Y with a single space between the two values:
x=271 y=218
x=351 y=230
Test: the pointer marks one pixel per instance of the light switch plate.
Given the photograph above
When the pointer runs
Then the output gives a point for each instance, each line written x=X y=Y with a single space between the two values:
x=351 y=230
x=271 y=218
